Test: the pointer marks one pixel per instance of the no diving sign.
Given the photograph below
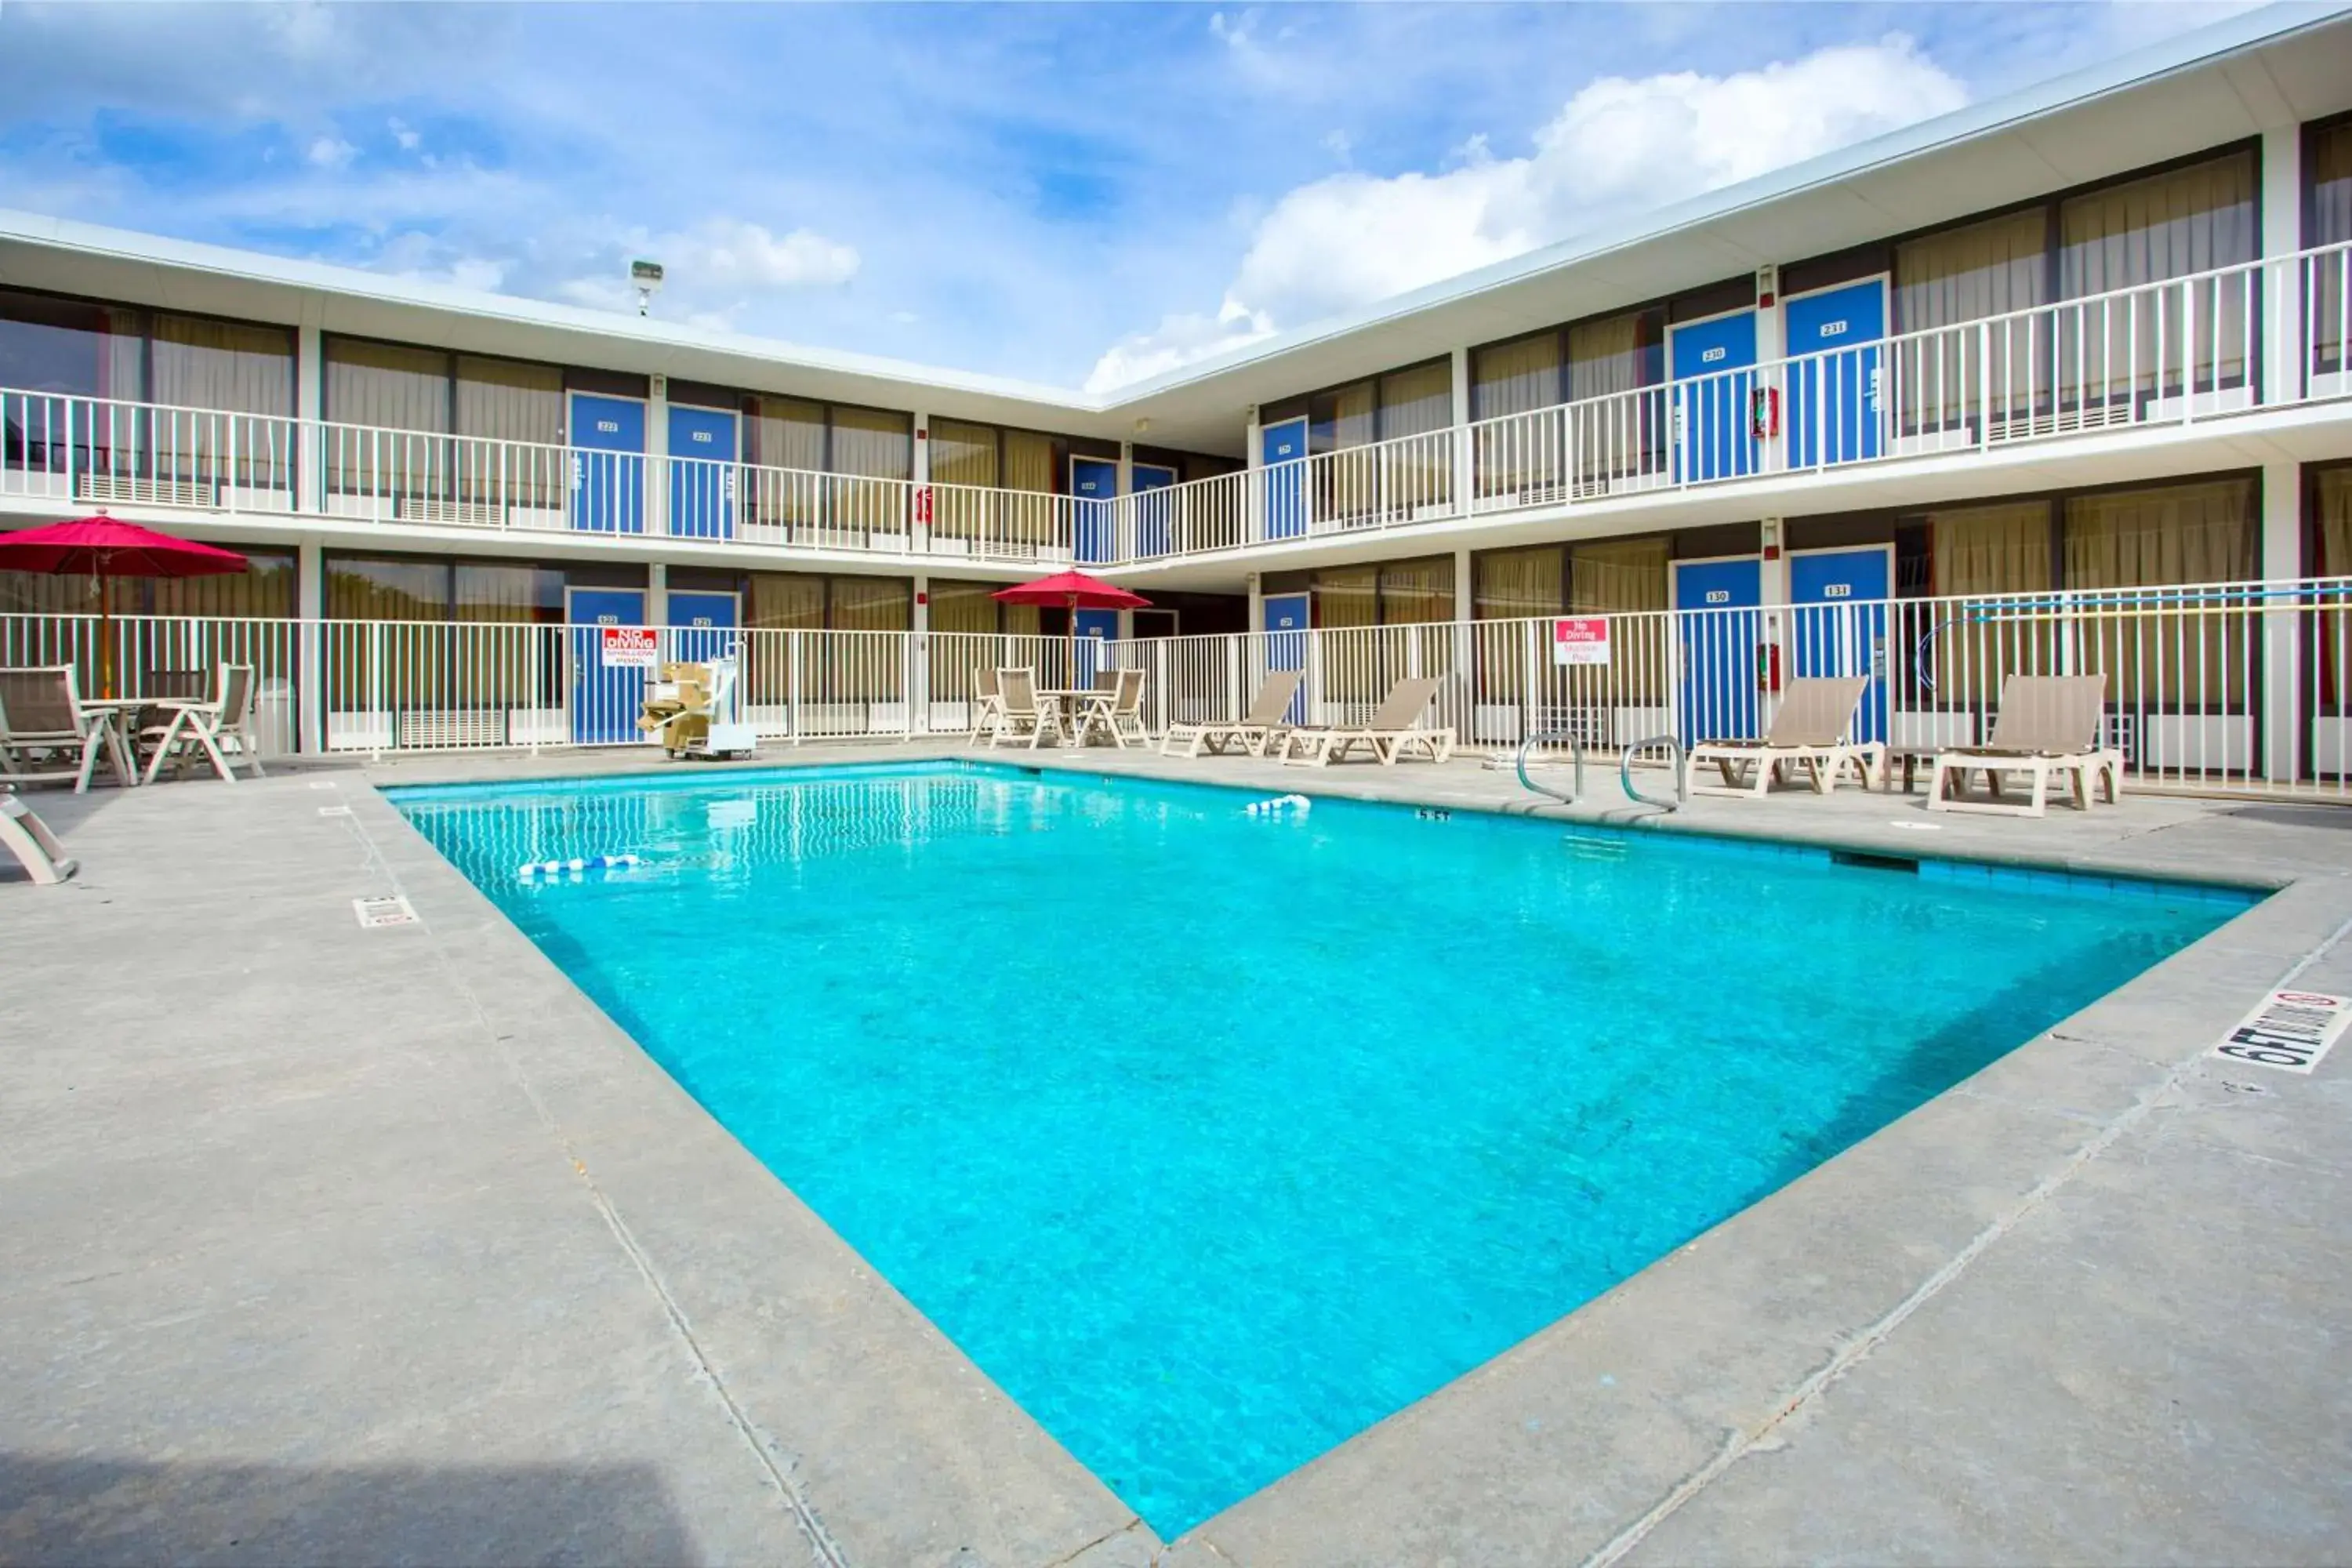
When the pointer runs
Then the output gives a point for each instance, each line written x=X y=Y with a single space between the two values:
x=631 y=647
x=2291 y=1031
x=1580 y=639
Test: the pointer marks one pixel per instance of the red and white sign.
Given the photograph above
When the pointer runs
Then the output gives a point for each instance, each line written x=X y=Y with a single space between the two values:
x=631 y=647
x=1580 y=639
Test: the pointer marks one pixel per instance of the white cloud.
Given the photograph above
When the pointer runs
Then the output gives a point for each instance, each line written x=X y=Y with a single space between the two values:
x=729 y=253
x=1619 y=146
x=329 y=152
x=403 y=133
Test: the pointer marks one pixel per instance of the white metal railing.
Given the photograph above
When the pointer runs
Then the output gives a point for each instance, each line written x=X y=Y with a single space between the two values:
x=2243 y=687
x=78 y=450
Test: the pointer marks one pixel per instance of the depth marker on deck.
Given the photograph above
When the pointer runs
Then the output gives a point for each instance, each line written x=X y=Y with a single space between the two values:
x=2291 y=1031
x=374 y=913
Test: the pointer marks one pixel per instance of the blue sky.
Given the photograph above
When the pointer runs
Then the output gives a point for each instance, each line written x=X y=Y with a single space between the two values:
x=1070 y=193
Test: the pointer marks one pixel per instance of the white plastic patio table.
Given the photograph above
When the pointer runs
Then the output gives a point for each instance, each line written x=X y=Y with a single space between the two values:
x=114 y=712
x=1074 y=699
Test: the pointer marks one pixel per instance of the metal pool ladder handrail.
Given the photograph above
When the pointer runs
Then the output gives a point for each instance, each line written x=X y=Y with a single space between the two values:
x=1538 y=739
x=1682 y=774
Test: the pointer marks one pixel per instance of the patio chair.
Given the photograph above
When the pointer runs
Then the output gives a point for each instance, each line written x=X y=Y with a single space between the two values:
x=1393 y=728
x=27 y=837
x=1024 y=712
x=1809 y=729
x=1268 y=721
x=987 y=706
x=2048 y=727
x=1117 y=711
x=47 y=736
x=216 y=728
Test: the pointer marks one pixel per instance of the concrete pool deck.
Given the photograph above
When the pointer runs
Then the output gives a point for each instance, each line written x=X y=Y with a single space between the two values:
x=322 y=1243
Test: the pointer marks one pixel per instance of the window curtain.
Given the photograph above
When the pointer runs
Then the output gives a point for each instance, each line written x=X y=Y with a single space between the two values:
x=2172 y=659
x=2167 y=225
x=385 y=388
x=201 y=365
x=263 y=591
x=1029 y=468
x=786 y=600
x=1621 y=576
x=871 y=603
x=66 y=347
x=508 y=400
x=1990 y=548
x=1513 y=377
x=787 y=433
x=365 y=588
x=1512 y=585
x=2331 y=224
x=1604 y=358
x=1416 y=401
x=1347 y=597
x=1415 y=591
x=962 y=454
x=1963 y=275
x=496 y=664
x=963 y=607
x=2335 y=539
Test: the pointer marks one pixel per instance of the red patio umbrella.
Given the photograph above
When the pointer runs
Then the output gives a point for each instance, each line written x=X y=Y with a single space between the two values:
x=107 y=548
x=1073 y=590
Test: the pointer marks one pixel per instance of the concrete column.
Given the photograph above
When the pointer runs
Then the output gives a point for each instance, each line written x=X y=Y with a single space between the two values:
x=2283 y=360
x=1254 y=500
x=656 y=469
x=309 y=403
x=657 y=592
x=1771 y=344
x=1772 y=592
x=1122 y=518
x=918 y=658
x=1464 y=470
x=310 y=609
x=2282 y=683
x=918 y=531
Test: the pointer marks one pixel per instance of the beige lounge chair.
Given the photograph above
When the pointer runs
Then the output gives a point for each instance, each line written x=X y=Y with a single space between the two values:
x=1024 y=712
x=1267 y=721
x=1393 y=728
x=47 y=735
x=1809 y=730
x=2048 y=726
x=214 y=728
x=987 y=706
x=1117 y=710
x=25 y=836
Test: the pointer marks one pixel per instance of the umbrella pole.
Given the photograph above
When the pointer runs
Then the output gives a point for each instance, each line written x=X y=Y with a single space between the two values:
x=106 y=635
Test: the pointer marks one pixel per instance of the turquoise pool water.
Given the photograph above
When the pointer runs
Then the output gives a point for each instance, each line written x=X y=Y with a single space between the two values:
x=1214 y=1139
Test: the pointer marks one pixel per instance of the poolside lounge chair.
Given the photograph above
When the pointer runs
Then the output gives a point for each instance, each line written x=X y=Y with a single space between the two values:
x=1809 y=729
x=46 y=733
x=1268 y=721
x=216 y=727
x=2048 y=726
x=987 y=706
x=1117 y=710
x=1393 y=728
x=25 y=836
x=1024 y=711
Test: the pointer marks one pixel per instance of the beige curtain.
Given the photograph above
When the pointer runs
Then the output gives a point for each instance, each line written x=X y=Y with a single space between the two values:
x=508 y=400
x=872 y=604
x=263 y=591
x=231 y=366
x=873 y=443
x=385 y=388
x=362 y=588
x=962 y=454
x=1999 y=549
x=1348 y=596
x=1963 y=275
x=1512 y=585
x=962 y=606
x=2331 y=224
x=2202 y=532
x=786 y=600
x=2335 y=497
x=1417 y=591
x=787 y=433
x=2167 y=225
x=1418 y=400
x=1515 y=377
x=1619 y=576
x=1606 y=356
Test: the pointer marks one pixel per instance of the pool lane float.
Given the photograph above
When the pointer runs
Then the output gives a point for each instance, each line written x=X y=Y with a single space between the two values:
x=1278 y=805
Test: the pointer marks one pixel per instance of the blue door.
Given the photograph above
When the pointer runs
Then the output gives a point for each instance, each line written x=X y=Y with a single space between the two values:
x=702 y=626
x=1835 y=415
x=608 y=464
x=701 y=473
x=1286 y=618
x=1719 y=630
x=1153 y=533
x=1838 y=600
x=1283 y=449
x=1095 y=628
x=1094 y=484
x=1712 y=365
x=606 y=698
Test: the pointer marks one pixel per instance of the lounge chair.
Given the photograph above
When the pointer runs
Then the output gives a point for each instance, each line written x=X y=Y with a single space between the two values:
x=1023 y=712
x=987 y=706
x=1393 y=728
x=1117 y=710
x=2048 y=726
x=1267 y=721
x=216 y=727
x=47 y=735
x=1809 y=729
x=28 y=837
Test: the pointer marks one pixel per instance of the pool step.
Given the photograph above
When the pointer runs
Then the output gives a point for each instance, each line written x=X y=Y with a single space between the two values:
x=1588 y=847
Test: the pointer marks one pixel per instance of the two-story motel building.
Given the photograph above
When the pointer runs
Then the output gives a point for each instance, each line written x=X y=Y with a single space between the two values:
x=2058 y=381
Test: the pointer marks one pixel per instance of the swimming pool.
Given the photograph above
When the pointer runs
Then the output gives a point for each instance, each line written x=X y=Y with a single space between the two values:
x=1215 y=1138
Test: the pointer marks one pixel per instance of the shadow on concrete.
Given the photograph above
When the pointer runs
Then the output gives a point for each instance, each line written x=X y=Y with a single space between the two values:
x=2296 y=816
x=56 y=1510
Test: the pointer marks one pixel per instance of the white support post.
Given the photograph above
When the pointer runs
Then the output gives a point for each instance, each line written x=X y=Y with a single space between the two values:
x=1771 y=346
x=1254 y=500
x=1463 y=458
x=2282 y=563
x=2284 y=362
x=1772 y=592
x=309 y=405
x=919 y=659
x=658 y=594
x=657 y=485
x=1465 y=611
x=309 y=610
x=919 y=525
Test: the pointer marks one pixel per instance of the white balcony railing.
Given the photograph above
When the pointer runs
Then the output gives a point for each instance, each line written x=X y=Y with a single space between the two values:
x=2215 y=345
x=2229 y=688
